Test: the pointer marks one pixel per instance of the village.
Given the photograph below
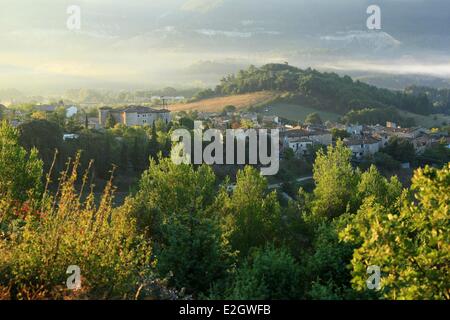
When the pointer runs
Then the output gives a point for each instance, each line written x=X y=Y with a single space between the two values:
x=300 y=138
x=364 y=140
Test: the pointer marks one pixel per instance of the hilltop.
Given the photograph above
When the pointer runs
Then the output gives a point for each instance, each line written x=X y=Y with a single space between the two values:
x=292 y=92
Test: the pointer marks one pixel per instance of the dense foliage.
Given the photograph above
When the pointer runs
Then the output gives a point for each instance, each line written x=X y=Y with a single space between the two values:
x=326 y=91
x=409 y=239
x=128 y=148
x=20 y=172
x=184 y=235
x=373 y=116
x=440 y=98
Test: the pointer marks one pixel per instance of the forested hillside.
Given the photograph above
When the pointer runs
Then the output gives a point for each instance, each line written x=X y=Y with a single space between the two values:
x=182 y=235
x=440 y=98
x=324 y=91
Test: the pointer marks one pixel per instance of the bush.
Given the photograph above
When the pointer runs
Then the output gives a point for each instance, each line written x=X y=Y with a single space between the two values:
x=400 y=149
x=66 y=230
x=272 y=274
x=176 y=205
x=20 y=172
x=385 y=161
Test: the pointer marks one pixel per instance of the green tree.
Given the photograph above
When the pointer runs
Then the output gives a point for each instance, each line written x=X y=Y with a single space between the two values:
x=186 y=122
x=110 y=121
x=373 y=184
x=271 y=274
x=289 y=154
x=2 y=111
x=175 y=204
x=58 y=116
x=400 y=149
x=326 y=266
x=43 y=135
x=229 y=108
x=437 y=154
x=385 y=161
x=73 y=124
x=336 y=181
x=102 y=147
x=153 y=144
x=20 y=172
x=251 y=216
x=313 y=118
x=409 y=242
x=247 y=124
x=339 y=134
x=102 y=240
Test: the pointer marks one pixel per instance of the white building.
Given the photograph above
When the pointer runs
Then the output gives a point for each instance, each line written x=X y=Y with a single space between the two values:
x=140 y=116
x=299 y=139
x=134 y=115
x=300 y=146
x=354 y=129
x=271 y=119
x=71 y=111
x=70 y=136
x=251 y=116
x=363 y=147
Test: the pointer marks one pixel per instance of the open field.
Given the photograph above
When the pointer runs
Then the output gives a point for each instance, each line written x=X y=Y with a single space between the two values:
x=290 y=111
x=431 y=121
x=296 y=112
x=240 y=101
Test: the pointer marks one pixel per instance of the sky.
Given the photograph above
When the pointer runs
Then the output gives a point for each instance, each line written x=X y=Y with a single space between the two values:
x=156 y=43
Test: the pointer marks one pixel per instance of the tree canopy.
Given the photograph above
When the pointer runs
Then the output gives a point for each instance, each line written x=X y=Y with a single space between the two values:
x=323 y=90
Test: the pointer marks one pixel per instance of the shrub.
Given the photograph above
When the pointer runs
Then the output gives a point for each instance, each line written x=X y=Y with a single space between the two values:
x=67 y=230
x=272 y=274
x=20 y=172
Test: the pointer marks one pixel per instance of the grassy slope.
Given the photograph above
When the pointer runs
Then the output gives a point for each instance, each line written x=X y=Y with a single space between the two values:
x=431 y=121
x=297 y=112
x=290 y=111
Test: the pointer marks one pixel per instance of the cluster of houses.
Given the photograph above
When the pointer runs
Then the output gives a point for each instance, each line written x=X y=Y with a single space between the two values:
x=132 y=115
x=228 y=120
x=363 y=140
x=301 y=139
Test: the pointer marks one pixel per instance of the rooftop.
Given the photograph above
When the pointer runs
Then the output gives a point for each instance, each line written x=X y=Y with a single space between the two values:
x=135 y=109
x=358 y=141
x=300 y=139
x=402 y=130
x=300 y=132
x=142 y=109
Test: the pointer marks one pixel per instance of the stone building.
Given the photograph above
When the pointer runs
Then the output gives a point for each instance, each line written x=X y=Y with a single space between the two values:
x=133 y=115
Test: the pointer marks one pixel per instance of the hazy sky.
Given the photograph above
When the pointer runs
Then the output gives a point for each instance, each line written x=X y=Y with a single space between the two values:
x=148 y=43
